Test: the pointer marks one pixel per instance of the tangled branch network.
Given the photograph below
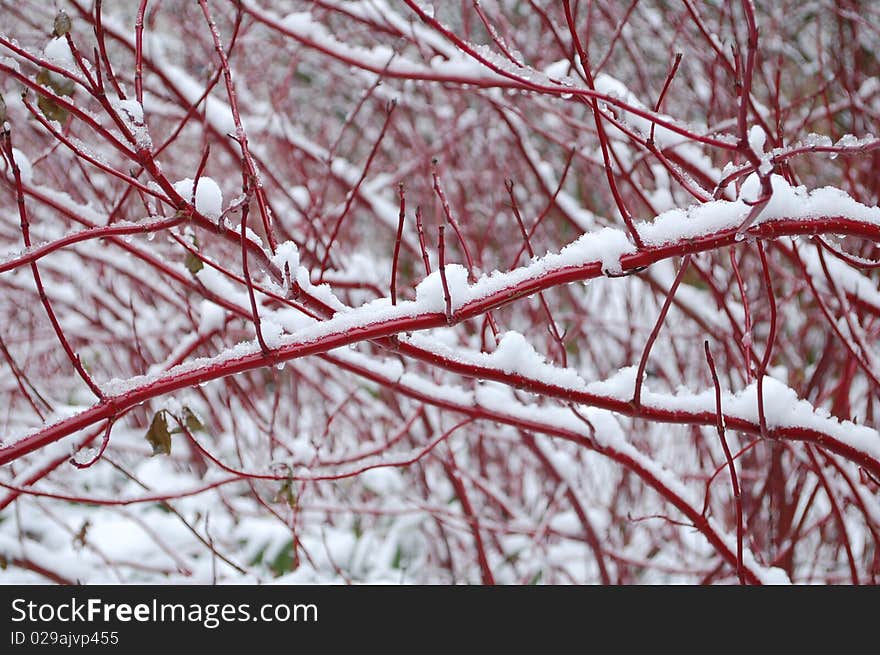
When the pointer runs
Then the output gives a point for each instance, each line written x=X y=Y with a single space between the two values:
x=475 y=292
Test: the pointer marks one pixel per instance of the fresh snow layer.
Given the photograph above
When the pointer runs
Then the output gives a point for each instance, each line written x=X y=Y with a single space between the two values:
x=513 y=355
x=58 y=52
x=786 y=202
x=25 y=170
x=209 y=197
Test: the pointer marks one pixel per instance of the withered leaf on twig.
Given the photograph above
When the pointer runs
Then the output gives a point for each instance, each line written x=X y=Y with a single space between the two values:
x=193 y=263
x=192 y=422
x=62 y=87
x=158 y=435
x=287 y=494
x=62 y=24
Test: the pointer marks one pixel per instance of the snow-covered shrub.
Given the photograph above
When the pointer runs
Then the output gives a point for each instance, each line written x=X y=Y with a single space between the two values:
x=504 y=291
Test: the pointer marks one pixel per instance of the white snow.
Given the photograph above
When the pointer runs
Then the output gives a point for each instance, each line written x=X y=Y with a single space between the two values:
x=300 y=195
x=385 y=480
x=220 y=285
x=786 y=202
x=757 y=138
x=848 y=279
x=132 y=114
x=430 y=294
x=558 y=69
x=272 y=333
x=287 y=254
x=209 y=197
x=376 y=535
x=25 y=169
x=132 y=108
x=58 y=52
x=817 y=140
x=212 y=317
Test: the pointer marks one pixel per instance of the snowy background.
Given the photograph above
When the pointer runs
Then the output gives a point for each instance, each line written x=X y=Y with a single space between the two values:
x=392 y=292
